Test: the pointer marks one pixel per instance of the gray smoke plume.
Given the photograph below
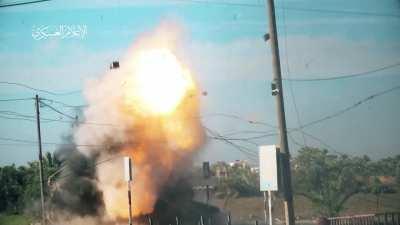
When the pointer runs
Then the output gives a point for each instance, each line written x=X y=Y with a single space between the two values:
x=75 y=189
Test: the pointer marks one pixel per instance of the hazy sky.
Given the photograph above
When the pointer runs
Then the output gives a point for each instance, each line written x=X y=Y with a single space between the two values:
x=224 y=48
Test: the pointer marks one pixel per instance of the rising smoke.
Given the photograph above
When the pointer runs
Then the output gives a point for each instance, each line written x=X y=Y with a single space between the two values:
x=75 y=192
x=147 y=109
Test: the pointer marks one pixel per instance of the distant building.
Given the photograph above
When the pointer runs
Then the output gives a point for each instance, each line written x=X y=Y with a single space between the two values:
x=221 y=170
x=240 y=163
x=255 y=169
x=385 y=180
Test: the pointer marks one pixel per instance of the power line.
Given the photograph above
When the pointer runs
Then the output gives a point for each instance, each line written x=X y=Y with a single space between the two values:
x=257 y=137
x=317 y=139
x=346 y=76
x=86 y=123
x=315 y=10
x=220 y=3
x=216 y=136
x=220 y=137
x=74 y=121
x=251 y=155
x=26 y=118
x=355 y=105
x=335 y=114
x=323 y=143
x=17 y=114
x=46 y=143
x=288 y=74
x=250 y=138
x=15 y=118
x=294 y=141
x=329 y=147
x=44 y=120
x=15 y=99
x=40 y=90
x=65 y=166
x=230 y=139
x=232 y=116
x=58 y=111
x=22 y=3
x=13 y=113
x=246 y=139
x=242 y=149
x=234 y=133
x=63 y=103
x=330 y=11
x=14 y=144
x=96 y=165
x=248 y=152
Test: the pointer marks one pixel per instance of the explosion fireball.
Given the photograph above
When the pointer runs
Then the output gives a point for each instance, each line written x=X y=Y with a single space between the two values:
x=150 y=110
x=160 y=82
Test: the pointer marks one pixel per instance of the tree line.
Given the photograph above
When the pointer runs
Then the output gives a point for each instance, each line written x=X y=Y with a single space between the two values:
x=327 y=179
x=19 y=186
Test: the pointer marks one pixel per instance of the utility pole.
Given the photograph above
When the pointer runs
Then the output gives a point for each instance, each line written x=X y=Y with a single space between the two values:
x=40 y=160
x=130 y=203
x=277 y=91
x=128 y=179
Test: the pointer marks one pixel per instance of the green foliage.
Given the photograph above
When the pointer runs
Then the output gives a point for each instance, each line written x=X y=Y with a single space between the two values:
x=19 y=187
x=328 y=180
x=240 y=182
x=384 y=167
x=14 y=220
x=398 y=173
x=11 y=187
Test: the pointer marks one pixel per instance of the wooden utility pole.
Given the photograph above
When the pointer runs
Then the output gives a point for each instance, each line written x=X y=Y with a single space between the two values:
x=40 y=160
x=277 y=91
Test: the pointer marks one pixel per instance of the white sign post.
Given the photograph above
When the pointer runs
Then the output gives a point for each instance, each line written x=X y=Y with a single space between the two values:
x=268 y=156
x=128 y=178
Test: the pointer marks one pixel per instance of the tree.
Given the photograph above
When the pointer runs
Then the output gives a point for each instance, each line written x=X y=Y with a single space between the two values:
x=385 y=167
x=19 y=187
x=240 y=182
x=376 y=188
x=398 y=174
x=10 y=188
x=328 y=180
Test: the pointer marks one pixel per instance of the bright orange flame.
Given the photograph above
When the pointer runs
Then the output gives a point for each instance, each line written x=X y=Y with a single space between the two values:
x=159 y=94
x=159 y=82
x=152 y=98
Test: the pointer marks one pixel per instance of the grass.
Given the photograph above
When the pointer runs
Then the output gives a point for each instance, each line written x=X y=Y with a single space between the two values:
x=14 y=220
x=247 y=210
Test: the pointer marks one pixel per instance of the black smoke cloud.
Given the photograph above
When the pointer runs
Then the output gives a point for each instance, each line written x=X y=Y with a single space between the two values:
x=74 y=191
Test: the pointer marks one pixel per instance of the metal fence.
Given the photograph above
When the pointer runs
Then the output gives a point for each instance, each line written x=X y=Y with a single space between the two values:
x=392 y=218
